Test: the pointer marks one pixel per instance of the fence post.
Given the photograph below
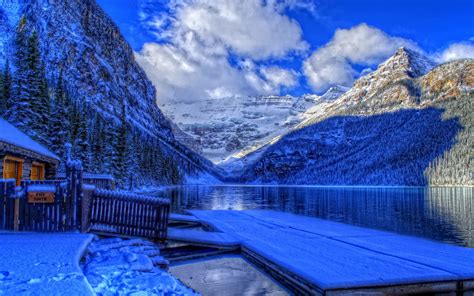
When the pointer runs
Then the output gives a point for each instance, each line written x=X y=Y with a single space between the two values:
x=16 y=215
x=88 y=192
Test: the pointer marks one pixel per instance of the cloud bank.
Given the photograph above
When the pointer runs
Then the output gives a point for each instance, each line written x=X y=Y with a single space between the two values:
x=214 y=49
x=456 y=51
x=362 y=45
x=211 y=49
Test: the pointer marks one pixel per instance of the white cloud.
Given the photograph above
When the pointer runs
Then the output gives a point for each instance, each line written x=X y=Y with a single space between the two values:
x=248 y=28
x=456 y=51
x=198 y=38
x=279 y=77
x=360 y=45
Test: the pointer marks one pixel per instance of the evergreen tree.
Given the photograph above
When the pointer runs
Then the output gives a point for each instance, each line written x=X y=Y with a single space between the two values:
x=3 y=101
x=81 y=142
x=7 y=86
x=98 y=151
x=132 y=161
x=20 y=112
x=59 y=126
x=38 y=87
x=120 y=161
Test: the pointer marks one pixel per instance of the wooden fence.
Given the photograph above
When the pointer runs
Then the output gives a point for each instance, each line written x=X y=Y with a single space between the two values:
x=7 y=204
x=128 y=214
x=61 y=209
x=102 y=181
x=63 y=214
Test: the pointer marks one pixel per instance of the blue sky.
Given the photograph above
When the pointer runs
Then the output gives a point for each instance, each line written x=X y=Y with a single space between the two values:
x=292 y=61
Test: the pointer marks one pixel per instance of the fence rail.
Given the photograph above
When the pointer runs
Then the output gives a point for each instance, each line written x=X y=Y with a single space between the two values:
x=102 y=181
x=129 y=214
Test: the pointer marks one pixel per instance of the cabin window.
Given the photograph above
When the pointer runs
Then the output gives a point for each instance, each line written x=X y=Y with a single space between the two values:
x=13 y=168
x=37 y=171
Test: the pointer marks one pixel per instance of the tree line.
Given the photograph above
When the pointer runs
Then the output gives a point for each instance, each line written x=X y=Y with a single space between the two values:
x=46 y=109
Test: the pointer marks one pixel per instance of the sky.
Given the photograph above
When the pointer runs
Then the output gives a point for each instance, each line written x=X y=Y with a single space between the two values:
x=200 y=49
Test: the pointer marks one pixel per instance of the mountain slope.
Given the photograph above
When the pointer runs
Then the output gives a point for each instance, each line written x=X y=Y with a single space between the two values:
x=396 y=126
x=81 y=44
x=229 y=127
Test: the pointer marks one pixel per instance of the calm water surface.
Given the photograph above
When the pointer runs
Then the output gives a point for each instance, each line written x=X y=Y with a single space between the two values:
x=440 y=213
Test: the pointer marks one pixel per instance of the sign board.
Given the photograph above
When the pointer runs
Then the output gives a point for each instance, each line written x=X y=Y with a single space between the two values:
x=40 y=197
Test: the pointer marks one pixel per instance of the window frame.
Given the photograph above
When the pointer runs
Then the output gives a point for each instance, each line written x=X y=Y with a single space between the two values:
x=19 y=171
x=40 y=165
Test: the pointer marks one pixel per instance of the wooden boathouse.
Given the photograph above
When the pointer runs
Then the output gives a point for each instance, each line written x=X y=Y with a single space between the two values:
x=33 y=197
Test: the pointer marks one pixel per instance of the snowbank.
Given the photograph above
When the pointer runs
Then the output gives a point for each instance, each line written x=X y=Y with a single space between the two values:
x=42 y=264
x=125 y=267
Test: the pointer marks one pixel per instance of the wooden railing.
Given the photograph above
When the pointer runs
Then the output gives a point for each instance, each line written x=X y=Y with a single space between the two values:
x=128 y=214
x=102 y=181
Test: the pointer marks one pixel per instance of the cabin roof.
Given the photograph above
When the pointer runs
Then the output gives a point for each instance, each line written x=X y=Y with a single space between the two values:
x=13 y=136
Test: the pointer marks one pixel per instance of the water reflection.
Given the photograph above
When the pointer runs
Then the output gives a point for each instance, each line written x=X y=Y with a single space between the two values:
x=444 y=214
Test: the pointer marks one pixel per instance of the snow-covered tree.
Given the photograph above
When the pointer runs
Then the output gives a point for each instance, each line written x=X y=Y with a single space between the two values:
x=120 y=161
x=5 y=90
x=20 y=111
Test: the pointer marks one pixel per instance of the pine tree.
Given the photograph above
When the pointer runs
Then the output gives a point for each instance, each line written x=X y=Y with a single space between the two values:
x=97 y=145
x=81 y=142
x=120 y=161
x=38 y=87
x=20 y=112
x=110 y=140
x=132 y=161
x=59 y=126
x=7 y=85
x=3 y=101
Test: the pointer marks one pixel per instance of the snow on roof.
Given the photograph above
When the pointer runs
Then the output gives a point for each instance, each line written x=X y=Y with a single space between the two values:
x=11 y=135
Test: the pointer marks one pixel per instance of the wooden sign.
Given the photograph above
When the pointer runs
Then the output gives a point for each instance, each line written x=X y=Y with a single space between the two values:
x=40 y=197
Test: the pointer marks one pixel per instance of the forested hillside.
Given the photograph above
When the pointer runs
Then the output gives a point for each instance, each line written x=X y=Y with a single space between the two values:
x=396 y=126
x=62 y=82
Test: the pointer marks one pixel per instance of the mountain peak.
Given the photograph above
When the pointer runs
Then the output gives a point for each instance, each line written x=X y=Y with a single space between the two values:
x=409 y=62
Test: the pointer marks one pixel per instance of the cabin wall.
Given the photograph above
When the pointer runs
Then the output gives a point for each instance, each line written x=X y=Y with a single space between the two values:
x=28 y=158
x=2 y=156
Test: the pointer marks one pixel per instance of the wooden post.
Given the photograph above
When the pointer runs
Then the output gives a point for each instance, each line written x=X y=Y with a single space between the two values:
x=16 y=216
x=88 y=192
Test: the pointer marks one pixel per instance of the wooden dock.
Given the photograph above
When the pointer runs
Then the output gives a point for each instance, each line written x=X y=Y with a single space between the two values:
x=315 y=256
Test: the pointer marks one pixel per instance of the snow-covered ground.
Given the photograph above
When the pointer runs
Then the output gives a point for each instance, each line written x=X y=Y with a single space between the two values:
x=129 y=267
x=42 y=264
x=48 y=264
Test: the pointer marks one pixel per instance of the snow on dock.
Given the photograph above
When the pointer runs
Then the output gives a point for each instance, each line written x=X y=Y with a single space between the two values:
x=203 y=237
x=43 y=264
x=338 y=257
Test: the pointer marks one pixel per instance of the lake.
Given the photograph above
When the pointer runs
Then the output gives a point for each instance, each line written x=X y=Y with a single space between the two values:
x=440 y=213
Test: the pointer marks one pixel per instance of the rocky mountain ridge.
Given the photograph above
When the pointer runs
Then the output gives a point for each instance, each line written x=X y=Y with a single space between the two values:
x=224 y=128
x=81 y=44
x=406 y=123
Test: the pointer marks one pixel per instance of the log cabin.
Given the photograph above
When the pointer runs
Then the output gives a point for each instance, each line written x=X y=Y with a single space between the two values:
x=22 y=158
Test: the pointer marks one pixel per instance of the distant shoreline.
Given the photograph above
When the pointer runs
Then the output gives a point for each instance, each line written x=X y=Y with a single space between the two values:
x=161 y=188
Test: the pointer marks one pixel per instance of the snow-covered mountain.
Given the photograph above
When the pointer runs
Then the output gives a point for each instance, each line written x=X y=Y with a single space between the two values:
x=227 y=127
x=406 y=123
x=79 y=42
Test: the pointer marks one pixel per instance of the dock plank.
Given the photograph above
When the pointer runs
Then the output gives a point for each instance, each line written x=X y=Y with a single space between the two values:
x=339 y=256
x=203 y=237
